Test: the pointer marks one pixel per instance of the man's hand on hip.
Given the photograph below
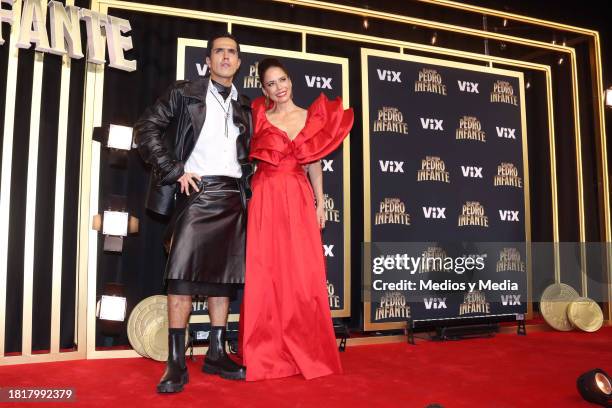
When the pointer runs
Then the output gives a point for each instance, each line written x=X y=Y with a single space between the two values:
x=189 y=179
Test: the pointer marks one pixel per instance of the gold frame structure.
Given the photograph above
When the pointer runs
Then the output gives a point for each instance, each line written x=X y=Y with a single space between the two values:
x=368 y=325
x=92 y=115
x=346 y=154
x=27 y=355
x=599 y=113
x=597 y=84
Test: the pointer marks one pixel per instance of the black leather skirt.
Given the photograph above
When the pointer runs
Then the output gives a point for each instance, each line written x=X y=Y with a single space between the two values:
x=208 y=234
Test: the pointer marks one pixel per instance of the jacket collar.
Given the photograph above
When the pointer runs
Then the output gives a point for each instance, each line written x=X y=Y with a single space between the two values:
x=197 y=89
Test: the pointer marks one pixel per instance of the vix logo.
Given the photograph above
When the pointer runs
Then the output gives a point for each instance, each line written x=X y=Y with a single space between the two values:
x=202 y=68
x=434 y=212
x=389 y=76
x=327 y=165
x=465 y=86
x=387 y=166
x=435 y=303
x=328 y=250
x=432 y=124
x=509 y=215
x=471 y=171
x=511 y=300
x=318 y=82
x=507 y=133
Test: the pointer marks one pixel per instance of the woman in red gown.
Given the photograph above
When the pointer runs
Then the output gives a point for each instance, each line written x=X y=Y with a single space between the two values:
x=287 y=326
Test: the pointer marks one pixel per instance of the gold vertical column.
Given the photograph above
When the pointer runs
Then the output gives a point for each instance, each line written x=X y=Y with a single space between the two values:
x=7 y=161
x=367 y=203
x=578 y=144
x=88 y=204
x=346 y=204
x=526 y=194
x=84 y=222
x=603 y=152
x=83 y=302
x=94 y=183
x=553 y=175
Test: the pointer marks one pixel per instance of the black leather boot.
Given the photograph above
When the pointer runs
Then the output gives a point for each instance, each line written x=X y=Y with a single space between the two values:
x=175 y=376
x=217 y=361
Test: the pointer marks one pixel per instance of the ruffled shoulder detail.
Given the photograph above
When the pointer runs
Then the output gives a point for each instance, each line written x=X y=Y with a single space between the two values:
x=326 y=127
x=266 y=144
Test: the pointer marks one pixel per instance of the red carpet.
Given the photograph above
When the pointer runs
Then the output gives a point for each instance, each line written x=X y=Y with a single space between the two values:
x=539 y=370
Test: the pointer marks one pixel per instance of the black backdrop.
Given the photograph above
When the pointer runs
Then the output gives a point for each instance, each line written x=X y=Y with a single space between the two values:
x=304 y=73
x=423 y=130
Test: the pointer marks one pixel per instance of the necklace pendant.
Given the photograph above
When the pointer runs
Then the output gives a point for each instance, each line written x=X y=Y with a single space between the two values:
x=227 y=115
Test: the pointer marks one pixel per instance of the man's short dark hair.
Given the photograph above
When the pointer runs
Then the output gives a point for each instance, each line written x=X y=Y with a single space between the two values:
x=211 y=42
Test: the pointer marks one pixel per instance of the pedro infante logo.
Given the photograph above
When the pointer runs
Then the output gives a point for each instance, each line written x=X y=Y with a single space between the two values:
x=433 y=168
x=390 y=119
x=392 y=305
x=331 y=214
x=252 y=80
x=503 y=92
x=473 y=214
x=474 y=302
x=430 y=81
x=470 y=128
x=507 y=175
x=334 y=300
x=510 y=260
x=392 y=211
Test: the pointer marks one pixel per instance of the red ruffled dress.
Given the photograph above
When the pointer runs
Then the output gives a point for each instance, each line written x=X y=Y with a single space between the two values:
x=287 y=327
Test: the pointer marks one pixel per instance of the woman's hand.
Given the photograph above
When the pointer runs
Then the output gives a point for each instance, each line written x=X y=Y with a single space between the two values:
x=321 y=216
x=188 y=179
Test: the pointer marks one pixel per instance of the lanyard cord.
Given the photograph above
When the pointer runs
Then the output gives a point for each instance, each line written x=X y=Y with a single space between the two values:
x=226 y=111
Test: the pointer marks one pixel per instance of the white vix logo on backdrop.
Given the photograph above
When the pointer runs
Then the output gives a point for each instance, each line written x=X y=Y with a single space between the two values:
x=432 y=124
x=435 y=303
x=202 y=68
x=509 y=215
x=434 y=212
x=389 y=76
x=511 y=300
x=327 y=165
x=388 y=166
x=471 y=171
x=465 y=86
x=507 y=133
x=318 y=82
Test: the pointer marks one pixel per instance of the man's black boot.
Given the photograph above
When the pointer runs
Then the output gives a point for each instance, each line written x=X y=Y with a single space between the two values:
x=217 y=361
x=175 y=376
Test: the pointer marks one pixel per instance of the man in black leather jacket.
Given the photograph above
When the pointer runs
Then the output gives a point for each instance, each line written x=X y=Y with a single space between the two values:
x=196 y=138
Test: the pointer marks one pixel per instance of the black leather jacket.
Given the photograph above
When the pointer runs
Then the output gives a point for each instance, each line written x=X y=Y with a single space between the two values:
x=167 y=133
